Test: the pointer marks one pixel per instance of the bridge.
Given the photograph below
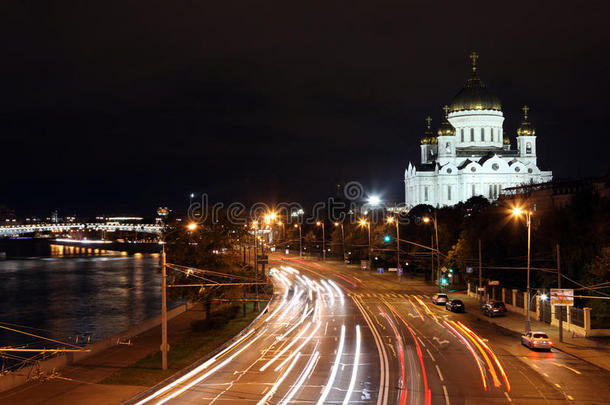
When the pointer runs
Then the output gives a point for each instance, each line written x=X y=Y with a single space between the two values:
x=16 y=230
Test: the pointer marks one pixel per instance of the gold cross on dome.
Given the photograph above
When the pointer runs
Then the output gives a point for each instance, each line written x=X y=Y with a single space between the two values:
x=429 y=121
x=474 y=57
x=525 y=110
x=446 y=109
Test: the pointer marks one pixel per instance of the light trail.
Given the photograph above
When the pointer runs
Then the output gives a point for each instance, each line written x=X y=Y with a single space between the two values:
x=336 y=287
x=196 y=370
x=202 y=377
x=307 y=339
x=476 y=359
x=330 y=291
x=305 y=313
x=335 y=367
x=419 y=354
x=490 y=366
x=401 y=353
x=352 y=381
x=345 y=279
x=304 y=375
x=493 y=355
x=416 y=310
x=285 y=349
x=279 y=381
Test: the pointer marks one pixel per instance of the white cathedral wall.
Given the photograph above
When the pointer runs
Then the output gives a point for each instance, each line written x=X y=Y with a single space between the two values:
x=482 y=122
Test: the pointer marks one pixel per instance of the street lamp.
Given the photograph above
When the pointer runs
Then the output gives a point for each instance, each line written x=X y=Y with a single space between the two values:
x=364 y=222
x=438 y=251
x=342 y=239
x=300 y=240
x=321 y=223
x=391 y=220
x=517 y=212
x=374 y=200
x=164 y=346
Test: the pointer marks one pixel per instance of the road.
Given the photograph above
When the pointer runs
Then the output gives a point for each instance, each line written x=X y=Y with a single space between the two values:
x=338 y=335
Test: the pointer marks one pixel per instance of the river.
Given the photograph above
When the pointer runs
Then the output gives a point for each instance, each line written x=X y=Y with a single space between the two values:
x=77 y=298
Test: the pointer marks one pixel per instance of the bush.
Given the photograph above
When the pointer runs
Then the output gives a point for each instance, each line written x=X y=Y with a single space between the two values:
x=217 y=319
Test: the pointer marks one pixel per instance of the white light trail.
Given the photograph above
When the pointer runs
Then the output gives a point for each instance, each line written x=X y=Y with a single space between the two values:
x=288 y=346
x=305 y=314
x=334 y=369
x=300 y=346
x=352 y=381
x=279 y=381
x=198 y=379
x=304 y=375
x=330 y=292
x=336 y=287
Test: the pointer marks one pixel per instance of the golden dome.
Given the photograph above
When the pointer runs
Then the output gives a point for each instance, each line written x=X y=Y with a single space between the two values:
x=446 y=129
x=429 y=137
x=475 y=95
x=506 y=140
x=526 y=128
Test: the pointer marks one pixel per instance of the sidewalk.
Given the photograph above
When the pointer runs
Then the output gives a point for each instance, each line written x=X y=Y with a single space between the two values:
x=79 y=383
x=592 y=351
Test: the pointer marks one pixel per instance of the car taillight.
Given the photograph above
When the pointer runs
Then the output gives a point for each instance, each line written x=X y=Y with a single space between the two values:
x=549 y=342
x=535 y=342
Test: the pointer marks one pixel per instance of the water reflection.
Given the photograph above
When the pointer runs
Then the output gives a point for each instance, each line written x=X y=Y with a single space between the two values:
x=73 y=295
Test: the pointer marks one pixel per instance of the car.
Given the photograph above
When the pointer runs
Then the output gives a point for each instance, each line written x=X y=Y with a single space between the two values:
x=455 y=306
x=537 y=340
x=494 y=308
x=440 y=299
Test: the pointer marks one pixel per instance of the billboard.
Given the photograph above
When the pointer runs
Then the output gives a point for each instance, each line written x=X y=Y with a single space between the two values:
x=562 y=296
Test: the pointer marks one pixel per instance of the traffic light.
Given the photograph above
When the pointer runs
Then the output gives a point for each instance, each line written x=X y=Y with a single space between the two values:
x=387 y=238
x=444 y=281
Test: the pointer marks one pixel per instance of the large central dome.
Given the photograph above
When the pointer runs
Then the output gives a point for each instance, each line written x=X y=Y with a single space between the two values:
x=475 y=95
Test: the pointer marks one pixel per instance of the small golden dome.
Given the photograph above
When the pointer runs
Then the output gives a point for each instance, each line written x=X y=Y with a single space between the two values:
x=429 y=137
x=446 y=129
x=526 y=128
x=506 y=140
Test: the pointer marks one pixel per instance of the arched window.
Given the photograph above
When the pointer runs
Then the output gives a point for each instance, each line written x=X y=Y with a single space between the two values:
x=448 y=147
x=528 y=148
x=471 y=134
x=492 y=134
x=449 y=193
x=482 y=134
x=462 y=134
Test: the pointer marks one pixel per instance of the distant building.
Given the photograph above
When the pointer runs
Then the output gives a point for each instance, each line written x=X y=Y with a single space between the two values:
x=471 y=155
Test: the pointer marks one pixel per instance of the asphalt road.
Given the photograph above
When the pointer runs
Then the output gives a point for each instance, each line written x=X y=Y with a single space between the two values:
x=337 y=335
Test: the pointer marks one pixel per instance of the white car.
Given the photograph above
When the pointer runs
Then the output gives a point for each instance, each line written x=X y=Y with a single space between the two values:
x=440 y=299
x=536 y=340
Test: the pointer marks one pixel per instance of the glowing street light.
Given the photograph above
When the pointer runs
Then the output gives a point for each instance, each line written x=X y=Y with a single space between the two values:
x=427 y=220
x=374 y=200
x=321 y=223
x=363 y=223
x=517 y=212
x=192 y=226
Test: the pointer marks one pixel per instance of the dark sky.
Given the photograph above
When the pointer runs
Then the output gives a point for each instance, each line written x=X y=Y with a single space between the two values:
x=118 y=107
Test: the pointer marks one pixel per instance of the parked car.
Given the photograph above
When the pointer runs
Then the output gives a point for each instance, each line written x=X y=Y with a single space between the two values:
x=536 y=340
x=440 y=299
x=494 y=308
x=455 y=306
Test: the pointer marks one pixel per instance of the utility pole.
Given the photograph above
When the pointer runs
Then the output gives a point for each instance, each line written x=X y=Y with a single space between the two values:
x=432 y=258
x=164 y=345
x=560 y=307
x=438 y=254
x=480 y=270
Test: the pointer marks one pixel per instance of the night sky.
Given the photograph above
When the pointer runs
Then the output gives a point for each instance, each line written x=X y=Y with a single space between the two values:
x=119 y=107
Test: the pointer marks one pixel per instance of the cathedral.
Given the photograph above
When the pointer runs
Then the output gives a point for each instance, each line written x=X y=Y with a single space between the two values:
x=470 y=154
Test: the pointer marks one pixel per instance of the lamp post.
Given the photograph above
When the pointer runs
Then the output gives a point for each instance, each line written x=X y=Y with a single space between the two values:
x=164 y=345
x=342 y=239
x=528 y=218
x=364 y=222
x=391 y=220
x=438 y=260
x=321 y=223
x=297 y=214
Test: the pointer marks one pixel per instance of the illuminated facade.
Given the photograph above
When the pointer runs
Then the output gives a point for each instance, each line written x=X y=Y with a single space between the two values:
x=470 y=154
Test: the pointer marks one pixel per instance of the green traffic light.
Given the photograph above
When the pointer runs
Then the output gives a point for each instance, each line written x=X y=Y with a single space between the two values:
x=444 y=281
x=387 y=238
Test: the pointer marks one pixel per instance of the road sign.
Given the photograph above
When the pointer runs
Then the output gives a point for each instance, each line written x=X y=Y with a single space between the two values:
x=392 y=269
x=364 y=264
x=469 y=270
x=399 y=270
x=562 y=296
x=380 y=270
x=493 y=282
x=481 y=289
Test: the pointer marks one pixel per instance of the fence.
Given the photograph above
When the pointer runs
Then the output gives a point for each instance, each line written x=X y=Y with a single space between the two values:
x=519 y=299
x=577 y=316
